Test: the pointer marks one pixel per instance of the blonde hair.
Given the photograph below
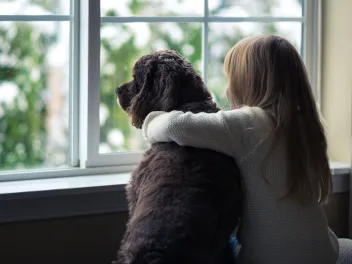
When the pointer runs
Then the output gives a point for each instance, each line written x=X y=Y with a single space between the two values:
x=268 y=72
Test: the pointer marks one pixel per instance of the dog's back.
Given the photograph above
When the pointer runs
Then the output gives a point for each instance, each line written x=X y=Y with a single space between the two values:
x=184 y=204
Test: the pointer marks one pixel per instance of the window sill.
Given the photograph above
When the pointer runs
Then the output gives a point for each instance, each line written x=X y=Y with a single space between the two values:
x=85 y=195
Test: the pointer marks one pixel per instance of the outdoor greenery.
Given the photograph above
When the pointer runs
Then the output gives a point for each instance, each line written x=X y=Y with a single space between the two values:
x=23 y=51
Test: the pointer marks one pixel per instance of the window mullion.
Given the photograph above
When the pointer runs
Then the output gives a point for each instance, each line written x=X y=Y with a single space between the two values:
x=89 y=132
x=205 y=51
x=74 y=86
x=197 y=19
x=32 y=18
x=312 y=45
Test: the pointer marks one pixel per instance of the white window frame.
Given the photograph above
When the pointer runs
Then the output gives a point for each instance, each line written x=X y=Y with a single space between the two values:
x=84 y=156
x=312 y=31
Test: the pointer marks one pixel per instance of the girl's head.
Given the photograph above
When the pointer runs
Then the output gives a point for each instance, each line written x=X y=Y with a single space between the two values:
x=268 y=72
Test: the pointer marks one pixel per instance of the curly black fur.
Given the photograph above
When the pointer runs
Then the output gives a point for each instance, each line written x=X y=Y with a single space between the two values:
x=184 y=202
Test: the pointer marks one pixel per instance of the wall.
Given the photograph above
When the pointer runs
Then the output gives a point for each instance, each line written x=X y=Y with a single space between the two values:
x=336 y=77
x=96 y=238
x=76 y=240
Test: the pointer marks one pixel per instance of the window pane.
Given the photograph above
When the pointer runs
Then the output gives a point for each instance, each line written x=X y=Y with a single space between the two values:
x=152 y=8
x=121 y=46
x=222 y=36
x=246 y=8
x=34 y=87
x=34 y=7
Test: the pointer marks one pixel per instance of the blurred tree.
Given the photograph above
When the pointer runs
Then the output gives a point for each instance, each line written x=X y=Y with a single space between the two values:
x=23 y=68
x=22 y=130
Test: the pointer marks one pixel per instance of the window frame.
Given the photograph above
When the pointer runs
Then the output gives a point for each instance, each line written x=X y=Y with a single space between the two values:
x=84 y=97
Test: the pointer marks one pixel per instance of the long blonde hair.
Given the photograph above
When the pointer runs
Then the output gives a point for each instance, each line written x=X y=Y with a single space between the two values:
x=268 y=72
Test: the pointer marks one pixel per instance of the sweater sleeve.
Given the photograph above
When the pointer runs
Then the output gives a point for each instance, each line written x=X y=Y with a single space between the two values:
x=222 y=131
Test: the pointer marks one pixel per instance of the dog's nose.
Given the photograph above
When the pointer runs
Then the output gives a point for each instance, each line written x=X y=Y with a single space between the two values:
x=117 y=90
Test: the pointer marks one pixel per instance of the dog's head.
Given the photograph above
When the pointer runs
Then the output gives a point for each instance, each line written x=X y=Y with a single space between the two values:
x=162 y=81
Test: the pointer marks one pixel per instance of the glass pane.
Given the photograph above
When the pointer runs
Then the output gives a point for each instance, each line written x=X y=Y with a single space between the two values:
x=34 y=7
x=34 y=89
x=246 y=8
x=152 y=8
x=121 y=46
x=222 y=36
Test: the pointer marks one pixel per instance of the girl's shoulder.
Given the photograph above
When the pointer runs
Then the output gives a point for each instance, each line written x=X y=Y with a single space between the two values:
x=251 y=127
x=249 y=117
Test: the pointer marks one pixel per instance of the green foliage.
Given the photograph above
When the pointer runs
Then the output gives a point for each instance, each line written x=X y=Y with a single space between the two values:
x=22 y=130
x=121 y=59
x=136 y=6
x=49 y=5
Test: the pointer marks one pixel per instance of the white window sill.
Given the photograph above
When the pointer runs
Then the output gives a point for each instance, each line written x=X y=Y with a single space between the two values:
x=85 y=195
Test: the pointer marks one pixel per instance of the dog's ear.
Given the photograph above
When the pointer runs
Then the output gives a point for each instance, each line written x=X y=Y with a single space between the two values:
x=142 y=103
x=169 y=89
x=159 y=92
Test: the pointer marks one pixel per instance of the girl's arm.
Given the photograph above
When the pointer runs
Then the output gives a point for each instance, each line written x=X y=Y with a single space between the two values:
x=222 y=131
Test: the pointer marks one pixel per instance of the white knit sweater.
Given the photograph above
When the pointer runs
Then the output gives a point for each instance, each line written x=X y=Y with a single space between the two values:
x=273 y=230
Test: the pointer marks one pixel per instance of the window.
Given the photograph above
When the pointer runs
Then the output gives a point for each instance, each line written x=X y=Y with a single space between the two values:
x=61 y=61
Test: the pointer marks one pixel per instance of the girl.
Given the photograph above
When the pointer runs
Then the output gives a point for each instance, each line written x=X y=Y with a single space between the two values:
x=275 y=136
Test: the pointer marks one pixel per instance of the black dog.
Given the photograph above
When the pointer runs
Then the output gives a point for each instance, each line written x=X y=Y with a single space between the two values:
x=184 y=202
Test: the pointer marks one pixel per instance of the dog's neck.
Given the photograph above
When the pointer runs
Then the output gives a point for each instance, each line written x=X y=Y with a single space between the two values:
x=207 y=106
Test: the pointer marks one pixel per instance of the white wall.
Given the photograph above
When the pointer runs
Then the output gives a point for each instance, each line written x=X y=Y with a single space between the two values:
x=336 y=77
